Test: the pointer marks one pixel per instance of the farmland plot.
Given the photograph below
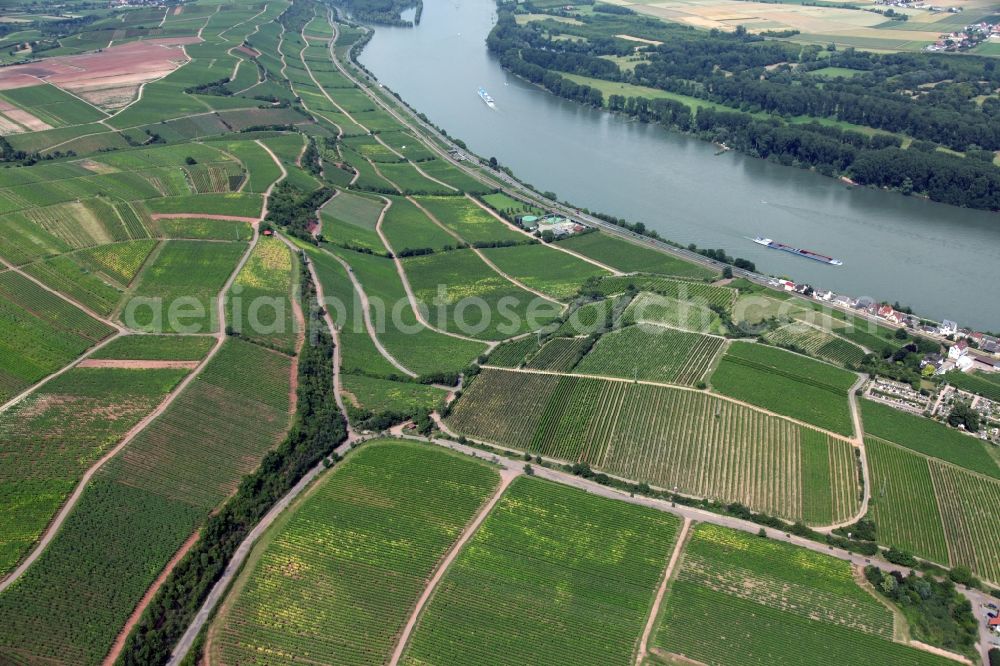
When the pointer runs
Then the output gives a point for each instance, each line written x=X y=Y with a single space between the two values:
x=973 y=533
x=383 y=395
x=782 y=604
x=464 y=295
x=468 y=220
x=185 y=276
x=408 y=228
x=141 y=507
x=514 y=353
x=556 y=274
x=119 y=261
x=69 y=276
x=156 y=348
x=656 y=309
x=559 y=354
x=39 y=333
x=903 y=503
x=51 y=437
x=570 y=575
x=694 y=292
x=816 y=342
x=259 y=301
x=646 y=351
x=669 y=437
x=394 y=509
x=928 y=437
x=626 y=256
x=593 y=317
x=787 y=384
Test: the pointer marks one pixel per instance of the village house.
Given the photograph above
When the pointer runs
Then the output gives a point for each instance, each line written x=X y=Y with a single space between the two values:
x=889 y=314
x=958 y=350
x=947 y=327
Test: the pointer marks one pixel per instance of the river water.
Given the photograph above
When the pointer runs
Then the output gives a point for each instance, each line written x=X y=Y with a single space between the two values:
x=942 y=261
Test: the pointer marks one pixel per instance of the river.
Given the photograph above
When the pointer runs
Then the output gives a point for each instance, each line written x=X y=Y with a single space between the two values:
x=939 y=259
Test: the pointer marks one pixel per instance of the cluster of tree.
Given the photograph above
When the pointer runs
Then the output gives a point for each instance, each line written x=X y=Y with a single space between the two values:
x=295 y=210
x=962 y=414
x=311 y=158
x=902 y=364
x=10 y=156
x=937 y=613
x=317 y=430
x=932 y=98
x=383 y=12
x=217 y=87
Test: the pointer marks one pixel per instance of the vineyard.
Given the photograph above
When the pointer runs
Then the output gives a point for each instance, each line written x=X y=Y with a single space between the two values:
x=513 y=354
x=392 y=510
x=383 y=395
x=593 y=317
x=793 y=608
x=627 y=256
x=816 y=342
x=156 y=348
x=463 y=294
x=553 y=576
x=928 y=437
x=39 y=333
x=143 y=504
x=185 y=275
x=242 y=384
x=259 y=303
x=119 y=261
x=695 y=292
x=408 y=228
x=48 y=439
x=467 y=219
x=656 y=309
x=787 y=384
x=981 y=384
x=967 y=504
x=555 y=274
x=646 y=351
x=698 y=443
x=558 y=354
x=903 y=504
x=67 y=275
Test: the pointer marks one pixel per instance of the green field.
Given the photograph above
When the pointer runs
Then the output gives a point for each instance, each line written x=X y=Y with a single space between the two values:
x=626 y=256
x=554 y=575
x=143 y=504
x=655 y=353
x=39 y=333
x=52 y=105
x=903 y=504
x=156 y=348
x=51 y=437
x=787 y=384
x=465 y=218
x=341 y=593
x=514 y=353
x=556 y=274
x=259 y=304
x=781 y=605
x=656 y=309
x=558 y=354
x=592 y=317
x=816 y=342
x=928 y=437
x=464 y=295
x=382 y=395
x=703 y=445
x=982 y=384
x=185 y=277
x=408 y=228
x=698 y=293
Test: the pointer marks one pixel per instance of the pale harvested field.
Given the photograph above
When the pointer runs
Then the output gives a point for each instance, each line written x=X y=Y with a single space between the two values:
x=816 y=24
x=110 y=78
x=24 y=118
